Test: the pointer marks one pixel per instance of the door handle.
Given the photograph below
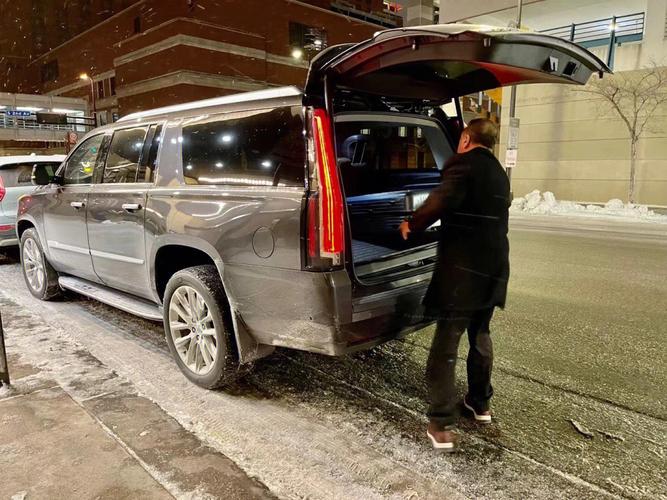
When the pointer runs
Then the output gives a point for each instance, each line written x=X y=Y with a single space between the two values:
x=131 y=207
x=77 y=204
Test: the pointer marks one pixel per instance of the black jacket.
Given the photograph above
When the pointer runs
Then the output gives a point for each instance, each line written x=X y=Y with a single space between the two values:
x=473 y=253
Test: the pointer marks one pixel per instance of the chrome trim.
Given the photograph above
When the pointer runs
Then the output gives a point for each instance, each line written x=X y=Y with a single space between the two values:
x=56 y=245
x=117 y=257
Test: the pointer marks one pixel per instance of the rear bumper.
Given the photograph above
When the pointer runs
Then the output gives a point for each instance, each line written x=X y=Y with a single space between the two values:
x=383 y=316
x=323 y=312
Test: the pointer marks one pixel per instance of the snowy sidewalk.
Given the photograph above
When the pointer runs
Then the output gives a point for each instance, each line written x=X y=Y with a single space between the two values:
x=94 y=437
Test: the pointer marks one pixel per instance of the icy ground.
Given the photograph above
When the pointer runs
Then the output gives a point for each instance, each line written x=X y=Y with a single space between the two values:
x=579 y=380
x=538 y=203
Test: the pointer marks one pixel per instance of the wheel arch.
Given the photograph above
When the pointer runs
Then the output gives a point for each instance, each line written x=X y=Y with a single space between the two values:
x=175 y=253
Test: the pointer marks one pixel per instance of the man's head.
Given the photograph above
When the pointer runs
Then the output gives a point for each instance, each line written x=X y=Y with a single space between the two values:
x=479 y=132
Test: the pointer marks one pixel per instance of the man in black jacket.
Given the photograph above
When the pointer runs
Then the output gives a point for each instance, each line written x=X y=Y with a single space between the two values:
x=471 y=274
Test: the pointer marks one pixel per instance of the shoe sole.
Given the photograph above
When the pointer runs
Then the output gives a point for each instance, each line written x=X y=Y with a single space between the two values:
x=448 y=447
x=482 y=419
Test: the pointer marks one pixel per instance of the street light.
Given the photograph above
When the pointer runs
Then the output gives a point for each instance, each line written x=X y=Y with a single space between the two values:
x=84 y=76
x=297 y=54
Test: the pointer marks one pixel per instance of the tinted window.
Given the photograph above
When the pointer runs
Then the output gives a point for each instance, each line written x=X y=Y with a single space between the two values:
x=50 y=168
x=20 y=174
x=263 y=148
x=124 y=155
x=149 y=155
x=81 y=164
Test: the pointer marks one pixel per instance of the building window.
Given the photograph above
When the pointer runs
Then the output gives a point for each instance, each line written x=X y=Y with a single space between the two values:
x=50 y=71
x=302 y=36
x=100 y=89
x=112 y=85
x=137 y=24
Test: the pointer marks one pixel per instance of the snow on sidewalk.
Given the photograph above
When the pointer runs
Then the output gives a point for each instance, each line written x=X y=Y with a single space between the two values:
x=537 y=203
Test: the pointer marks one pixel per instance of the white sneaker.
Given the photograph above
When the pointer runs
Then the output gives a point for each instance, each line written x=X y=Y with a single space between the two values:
x=440 y=445
x=482 y=418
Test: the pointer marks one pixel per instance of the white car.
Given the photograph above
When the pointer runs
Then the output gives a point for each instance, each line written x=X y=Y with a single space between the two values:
x=16 y=180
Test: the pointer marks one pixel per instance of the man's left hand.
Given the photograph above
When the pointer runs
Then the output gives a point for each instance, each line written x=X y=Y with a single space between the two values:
x=404 y=228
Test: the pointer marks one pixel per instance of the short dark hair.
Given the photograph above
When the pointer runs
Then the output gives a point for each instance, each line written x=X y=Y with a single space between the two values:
x=483 y=131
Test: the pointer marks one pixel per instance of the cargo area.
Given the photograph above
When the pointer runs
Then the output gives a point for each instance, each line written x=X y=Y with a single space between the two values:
x=388 y=162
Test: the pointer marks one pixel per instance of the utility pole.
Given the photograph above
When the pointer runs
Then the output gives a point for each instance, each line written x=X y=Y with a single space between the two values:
x=513 y=138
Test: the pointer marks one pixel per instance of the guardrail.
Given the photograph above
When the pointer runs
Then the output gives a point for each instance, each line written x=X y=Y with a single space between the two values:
x=623 y=29
x=79 y=124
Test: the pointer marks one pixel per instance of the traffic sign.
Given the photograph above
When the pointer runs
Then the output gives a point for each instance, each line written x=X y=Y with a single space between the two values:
x=13 y=112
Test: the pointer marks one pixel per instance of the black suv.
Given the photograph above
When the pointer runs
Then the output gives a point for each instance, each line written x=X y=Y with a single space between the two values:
x=270 y=218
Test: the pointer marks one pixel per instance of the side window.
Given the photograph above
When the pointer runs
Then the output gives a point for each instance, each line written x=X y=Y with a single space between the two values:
x=124 y=155
x=149 y=156
x=265 y=148
x=24 y=175
x=81 y=164
x=49 y=168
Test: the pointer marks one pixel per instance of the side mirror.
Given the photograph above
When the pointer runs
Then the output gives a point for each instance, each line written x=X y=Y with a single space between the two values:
x=40 y=177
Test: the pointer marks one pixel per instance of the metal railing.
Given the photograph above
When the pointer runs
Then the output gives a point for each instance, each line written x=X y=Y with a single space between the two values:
x=628 y=28
x=80 y=124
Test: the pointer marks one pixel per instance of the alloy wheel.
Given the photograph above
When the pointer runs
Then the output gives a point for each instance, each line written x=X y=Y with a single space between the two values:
x=192 y=330
x=33 y=265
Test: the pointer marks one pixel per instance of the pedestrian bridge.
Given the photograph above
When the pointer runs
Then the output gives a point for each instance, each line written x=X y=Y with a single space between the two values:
x=28 y=117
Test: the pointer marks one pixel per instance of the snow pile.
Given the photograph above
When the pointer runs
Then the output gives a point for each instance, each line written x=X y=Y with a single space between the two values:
x=546 y=203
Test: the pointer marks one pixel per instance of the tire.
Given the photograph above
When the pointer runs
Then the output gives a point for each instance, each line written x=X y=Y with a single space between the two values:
x=40 y=278
x=195 y=302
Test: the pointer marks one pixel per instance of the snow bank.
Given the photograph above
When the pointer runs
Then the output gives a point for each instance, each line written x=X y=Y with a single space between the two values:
x=546 y=203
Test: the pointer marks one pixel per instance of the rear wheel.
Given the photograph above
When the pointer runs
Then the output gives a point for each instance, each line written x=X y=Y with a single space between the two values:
x=40 y=277
x=198 y=327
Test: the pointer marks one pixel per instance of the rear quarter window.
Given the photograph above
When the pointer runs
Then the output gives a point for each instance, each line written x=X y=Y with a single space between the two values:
x=264 y=148
x=21 y=173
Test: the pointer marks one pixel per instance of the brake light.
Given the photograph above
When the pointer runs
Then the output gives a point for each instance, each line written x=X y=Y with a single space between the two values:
x=325 y=208
x=2 y=188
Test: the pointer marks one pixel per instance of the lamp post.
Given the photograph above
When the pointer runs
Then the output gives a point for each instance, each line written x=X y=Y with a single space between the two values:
x=84 y=76
x=514 y=123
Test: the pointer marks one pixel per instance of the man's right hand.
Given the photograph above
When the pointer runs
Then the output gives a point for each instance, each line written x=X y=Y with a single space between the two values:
x=404 y=228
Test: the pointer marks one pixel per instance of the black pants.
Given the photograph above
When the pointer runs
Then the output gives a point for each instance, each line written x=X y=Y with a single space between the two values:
x=441 y=367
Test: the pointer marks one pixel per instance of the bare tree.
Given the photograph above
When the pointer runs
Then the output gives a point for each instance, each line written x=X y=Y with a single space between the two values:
x=635 y=96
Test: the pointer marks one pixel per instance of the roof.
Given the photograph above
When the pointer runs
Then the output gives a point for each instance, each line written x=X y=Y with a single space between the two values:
x=257 y=95
x=6 y=160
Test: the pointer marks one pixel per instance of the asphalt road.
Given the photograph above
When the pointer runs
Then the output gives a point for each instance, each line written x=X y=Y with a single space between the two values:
x=580 y=372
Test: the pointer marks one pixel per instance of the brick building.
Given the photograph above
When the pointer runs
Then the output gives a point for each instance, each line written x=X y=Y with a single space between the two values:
x=148 y=53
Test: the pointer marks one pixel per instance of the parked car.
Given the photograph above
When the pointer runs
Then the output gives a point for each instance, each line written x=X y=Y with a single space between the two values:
x=270 y=218
x=15 y=181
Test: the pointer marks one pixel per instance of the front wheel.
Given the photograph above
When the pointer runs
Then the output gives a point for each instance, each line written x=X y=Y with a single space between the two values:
x=40 y=277
x=198 y=327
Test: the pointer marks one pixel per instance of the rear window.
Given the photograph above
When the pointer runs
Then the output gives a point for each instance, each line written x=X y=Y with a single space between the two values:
x=390 y=145
x=20 y=174
x=263 y=148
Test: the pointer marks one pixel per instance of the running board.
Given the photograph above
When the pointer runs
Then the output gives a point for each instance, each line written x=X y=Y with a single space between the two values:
x=123 y=301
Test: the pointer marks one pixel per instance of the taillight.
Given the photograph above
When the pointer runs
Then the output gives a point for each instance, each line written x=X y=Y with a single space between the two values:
x=2 y=188
x=325 y=217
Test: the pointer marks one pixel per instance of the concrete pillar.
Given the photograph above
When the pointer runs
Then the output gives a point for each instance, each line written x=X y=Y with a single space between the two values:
x=417 y=12
x=654 y=44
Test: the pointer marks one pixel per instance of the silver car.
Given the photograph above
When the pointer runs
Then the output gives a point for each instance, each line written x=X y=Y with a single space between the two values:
x=15 y=181
x=270 y=218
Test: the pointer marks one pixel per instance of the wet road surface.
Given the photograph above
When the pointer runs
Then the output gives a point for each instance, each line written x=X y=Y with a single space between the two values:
x=580 y=376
